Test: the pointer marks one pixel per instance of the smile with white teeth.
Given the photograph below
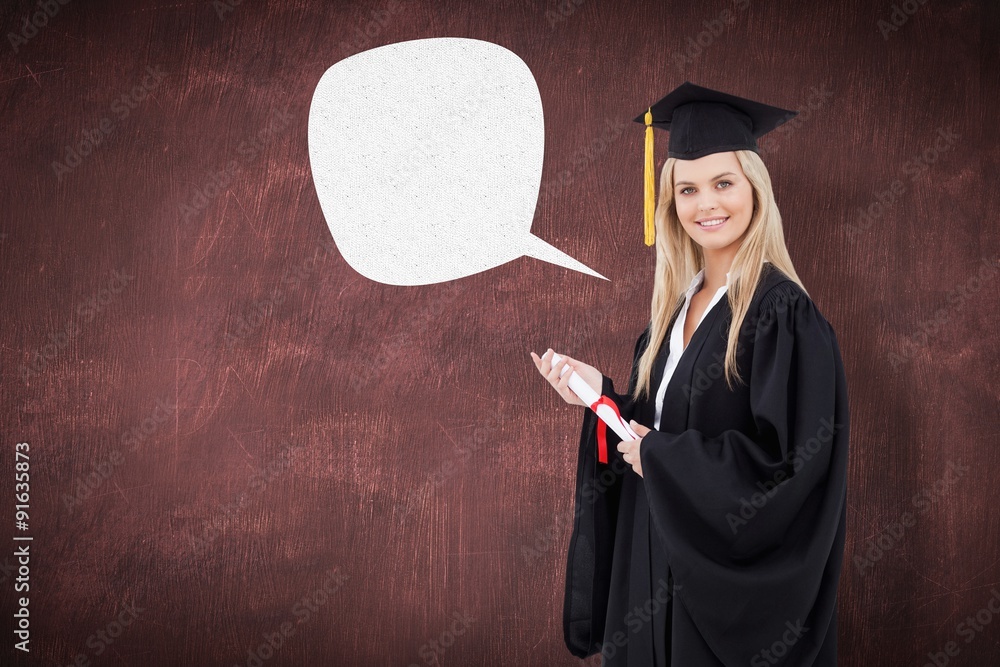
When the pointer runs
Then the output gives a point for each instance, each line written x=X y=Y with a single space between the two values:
x=713 y=223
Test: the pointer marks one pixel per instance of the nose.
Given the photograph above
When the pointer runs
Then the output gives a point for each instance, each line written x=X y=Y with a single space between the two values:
x=706 y=206
x=706 y=202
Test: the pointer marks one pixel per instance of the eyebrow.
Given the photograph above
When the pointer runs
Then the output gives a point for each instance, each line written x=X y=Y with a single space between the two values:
x=714 y=178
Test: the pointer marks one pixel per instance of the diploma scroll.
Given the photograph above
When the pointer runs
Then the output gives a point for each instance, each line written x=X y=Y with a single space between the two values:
x=604 y=407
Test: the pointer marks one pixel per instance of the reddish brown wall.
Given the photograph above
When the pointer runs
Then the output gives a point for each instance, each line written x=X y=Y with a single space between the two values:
x=444 y=487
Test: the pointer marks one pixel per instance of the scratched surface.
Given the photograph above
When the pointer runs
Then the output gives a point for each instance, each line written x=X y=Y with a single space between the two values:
x=243 y=452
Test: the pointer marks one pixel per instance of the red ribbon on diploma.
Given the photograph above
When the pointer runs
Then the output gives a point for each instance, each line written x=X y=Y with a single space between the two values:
x=602 y=428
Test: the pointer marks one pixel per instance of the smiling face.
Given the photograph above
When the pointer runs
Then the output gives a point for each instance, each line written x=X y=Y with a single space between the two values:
x=714 y=201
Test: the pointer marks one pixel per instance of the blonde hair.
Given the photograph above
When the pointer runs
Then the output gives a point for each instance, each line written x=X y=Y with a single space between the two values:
x=679 y=258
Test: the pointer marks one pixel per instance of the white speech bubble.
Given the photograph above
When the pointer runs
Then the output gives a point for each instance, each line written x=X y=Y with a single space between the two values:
x=427 y=160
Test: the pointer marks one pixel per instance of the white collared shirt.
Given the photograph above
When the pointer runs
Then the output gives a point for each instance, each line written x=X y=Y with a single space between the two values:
x=677 y=337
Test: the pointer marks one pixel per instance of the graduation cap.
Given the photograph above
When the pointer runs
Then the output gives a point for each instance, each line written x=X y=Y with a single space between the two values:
x=702 y=121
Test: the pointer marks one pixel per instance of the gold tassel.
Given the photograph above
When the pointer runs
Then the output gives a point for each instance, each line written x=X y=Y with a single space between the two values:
x=650 y=196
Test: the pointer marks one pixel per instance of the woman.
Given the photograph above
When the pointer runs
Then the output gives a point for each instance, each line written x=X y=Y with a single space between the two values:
x=716 y=538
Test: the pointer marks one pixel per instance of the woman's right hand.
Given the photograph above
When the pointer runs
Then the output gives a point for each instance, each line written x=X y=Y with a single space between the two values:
x=550 y=372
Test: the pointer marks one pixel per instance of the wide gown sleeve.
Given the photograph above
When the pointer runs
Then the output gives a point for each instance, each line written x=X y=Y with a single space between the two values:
x=753 y=523
x=595 y=517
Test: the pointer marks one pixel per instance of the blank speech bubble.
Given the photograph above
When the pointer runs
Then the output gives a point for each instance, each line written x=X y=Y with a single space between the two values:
x=427 y=160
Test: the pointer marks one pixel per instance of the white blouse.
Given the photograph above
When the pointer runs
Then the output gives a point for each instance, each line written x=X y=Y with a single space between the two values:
x=677 y=337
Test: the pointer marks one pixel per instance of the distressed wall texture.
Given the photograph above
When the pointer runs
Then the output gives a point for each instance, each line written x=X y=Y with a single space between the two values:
x=242 y=451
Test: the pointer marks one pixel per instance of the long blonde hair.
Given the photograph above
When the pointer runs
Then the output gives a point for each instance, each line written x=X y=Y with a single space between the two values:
x=679 y=258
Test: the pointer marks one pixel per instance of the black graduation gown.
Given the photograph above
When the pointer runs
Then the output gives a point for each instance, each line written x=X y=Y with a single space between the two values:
x=728 y=550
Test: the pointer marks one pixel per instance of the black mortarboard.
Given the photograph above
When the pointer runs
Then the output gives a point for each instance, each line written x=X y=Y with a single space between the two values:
x=702 y=121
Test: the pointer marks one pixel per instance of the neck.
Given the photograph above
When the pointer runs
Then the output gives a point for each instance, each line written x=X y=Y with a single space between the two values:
x=717 y=265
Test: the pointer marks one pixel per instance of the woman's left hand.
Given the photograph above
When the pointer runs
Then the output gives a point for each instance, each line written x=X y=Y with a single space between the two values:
x=630 y=448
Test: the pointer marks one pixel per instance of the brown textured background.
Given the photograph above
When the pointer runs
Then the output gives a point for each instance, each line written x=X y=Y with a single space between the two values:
x=439 y=480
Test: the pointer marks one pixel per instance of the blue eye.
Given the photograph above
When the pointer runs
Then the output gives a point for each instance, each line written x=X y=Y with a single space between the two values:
x=728 y=183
